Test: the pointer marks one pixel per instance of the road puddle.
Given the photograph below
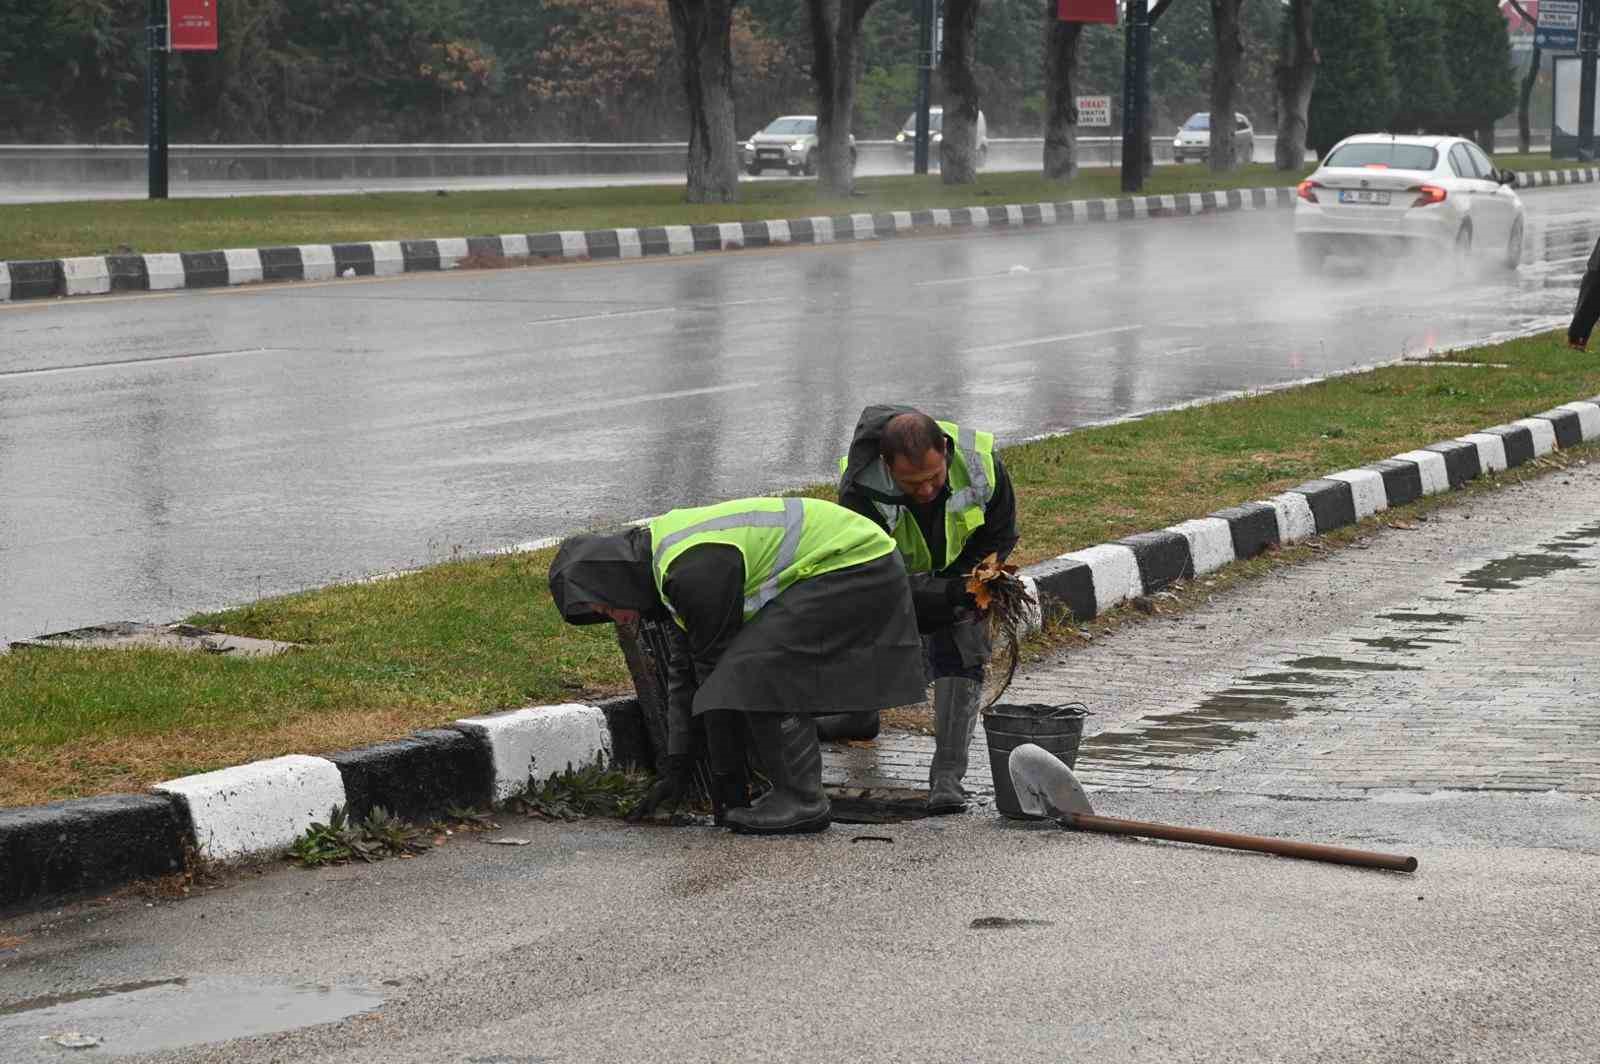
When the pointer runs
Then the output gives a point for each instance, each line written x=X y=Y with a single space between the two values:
x=1511 y=572
x=161 y=1014
x=1215 y=724
x=1328 y=662
x=1425 y=618
x=1395 y=644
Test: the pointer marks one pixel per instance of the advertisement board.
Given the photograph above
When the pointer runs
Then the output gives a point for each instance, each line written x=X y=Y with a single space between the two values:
x=192 y=25
x=1094 y=111
x=1557 y=28
x=1103 y=11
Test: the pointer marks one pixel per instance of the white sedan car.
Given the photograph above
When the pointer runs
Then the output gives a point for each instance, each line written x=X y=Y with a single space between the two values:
x=1441 y=195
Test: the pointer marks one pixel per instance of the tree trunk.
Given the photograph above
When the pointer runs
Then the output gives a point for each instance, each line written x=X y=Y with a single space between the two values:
x=1228 y=36
x=1525 y=102
x=703 y=30
x=1060 y=95
x=1295 y=76
x=836 y=47
x=958 y=150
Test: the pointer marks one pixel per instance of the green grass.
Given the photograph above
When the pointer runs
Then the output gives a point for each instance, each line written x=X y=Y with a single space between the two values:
x=478 y=635
x=57 y=230
x=60 y=230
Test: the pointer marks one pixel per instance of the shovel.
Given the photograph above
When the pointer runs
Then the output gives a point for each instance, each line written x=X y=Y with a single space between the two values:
x=1046 y=787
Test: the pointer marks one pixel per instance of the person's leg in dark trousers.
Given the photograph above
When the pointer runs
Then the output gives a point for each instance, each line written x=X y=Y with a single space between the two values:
x=1587 y=312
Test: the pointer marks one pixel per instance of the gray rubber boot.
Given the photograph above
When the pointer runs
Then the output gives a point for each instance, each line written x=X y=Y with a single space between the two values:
x=796 y=803
x=955 y=715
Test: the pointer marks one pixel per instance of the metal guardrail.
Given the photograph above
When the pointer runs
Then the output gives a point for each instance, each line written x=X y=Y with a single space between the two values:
x=30 y=164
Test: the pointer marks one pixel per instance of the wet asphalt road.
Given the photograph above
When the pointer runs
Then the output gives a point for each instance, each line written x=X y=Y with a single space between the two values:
x=970 y=938
x=166 y=453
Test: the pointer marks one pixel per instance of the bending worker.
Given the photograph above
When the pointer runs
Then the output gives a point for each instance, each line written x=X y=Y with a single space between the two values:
x=943 y=495
x=1587 y=312
x=781 y=609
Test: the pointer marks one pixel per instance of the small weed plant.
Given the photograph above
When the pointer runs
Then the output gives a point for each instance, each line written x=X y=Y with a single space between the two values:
x=594 y=790
x=342 y=839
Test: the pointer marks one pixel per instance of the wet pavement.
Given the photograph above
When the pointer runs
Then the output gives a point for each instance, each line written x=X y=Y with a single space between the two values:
x=1270 y=710
x=161 y=454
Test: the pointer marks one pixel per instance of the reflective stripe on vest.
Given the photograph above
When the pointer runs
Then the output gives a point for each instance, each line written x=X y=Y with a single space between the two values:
x=841 y=539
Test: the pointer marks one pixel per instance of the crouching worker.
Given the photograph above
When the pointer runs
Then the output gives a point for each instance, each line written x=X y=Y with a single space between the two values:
x=942 y=493
x=784 y=609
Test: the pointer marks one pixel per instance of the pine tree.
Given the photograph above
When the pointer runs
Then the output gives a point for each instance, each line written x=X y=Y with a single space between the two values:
x=1478 y=50
x=1424 y=91
x=1355 y=82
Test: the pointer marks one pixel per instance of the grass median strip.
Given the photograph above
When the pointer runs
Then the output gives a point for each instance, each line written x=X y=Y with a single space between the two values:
x=477 y=635
x=60 y=230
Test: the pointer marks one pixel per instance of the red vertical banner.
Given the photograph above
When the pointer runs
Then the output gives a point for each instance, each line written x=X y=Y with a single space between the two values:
x=192 y=25
x=1087 y=11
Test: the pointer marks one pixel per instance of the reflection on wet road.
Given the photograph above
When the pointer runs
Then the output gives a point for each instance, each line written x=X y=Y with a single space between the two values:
x=161 y=454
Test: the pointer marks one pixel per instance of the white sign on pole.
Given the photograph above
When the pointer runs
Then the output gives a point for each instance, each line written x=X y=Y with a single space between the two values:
x=1094 y=111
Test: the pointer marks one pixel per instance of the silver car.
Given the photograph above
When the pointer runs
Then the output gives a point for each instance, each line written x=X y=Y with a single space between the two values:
x=788 y=142
x=1193 y=139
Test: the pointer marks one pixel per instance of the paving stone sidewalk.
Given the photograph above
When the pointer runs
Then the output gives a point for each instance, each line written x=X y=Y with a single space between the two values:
x=1460 y=653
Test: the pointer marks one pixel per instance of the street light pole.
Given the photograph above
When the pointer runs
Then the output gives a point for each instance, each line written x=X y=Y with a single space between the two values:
x=1136 y=95
x=924 y=83
x=155 y=84
x=1589 y=54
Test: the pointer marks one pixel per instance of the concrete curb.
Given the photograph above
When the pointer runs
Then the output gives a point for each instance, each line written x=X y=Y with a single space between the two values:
x=1551 y=178
x=259 y=808
x=1083 y=584
x=102 y=274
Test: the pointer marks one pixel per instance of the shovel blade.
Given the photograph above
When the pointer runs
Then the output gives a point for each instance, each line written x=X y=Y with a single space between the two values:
x=1044 y=784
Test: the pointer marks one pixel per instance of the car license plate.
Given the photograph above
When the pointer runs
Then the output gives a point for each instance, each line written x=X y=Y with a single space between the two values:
x=1363 y=195
x=771 y=153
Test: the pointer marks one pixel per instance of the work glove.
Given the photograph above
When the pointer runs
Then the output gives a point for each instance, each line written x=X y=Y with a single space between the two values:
x=670 y=789
x=956 y=594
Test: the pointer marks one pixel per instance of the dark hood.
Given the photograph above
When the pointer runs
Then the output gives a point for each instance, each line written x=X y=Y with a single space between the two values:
x=608 y=570
x=863 y=456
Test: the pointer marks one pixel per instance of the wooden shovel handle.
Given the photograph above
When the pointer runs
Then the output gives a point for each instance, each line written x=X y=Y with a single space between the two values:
x=1309 y=851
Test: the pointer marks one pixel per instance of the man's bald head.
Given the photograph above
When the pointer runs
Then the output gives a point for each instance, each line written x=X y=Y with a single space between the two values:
x=913 y=447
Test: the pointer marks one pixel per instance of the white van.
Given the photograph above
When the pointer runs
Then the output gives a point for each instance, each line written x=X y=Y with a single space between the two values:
x=905 y=141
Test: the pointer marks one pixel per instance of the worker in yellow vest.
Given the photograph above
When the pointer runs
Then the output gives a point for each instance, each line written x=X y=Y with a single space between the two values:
x=781 y=609
x=941 y=491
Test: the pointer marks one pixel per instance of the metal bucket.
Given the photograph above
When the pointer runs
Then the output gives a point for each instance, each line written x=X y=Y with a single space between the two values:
x=1057 y=729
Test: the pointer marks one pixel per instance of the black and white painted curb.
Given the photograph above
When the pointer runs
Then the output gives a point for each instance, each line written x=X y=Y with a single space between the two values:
x=100 y=274
x=1552 y=178
x=1086 y=583
x=259 y=809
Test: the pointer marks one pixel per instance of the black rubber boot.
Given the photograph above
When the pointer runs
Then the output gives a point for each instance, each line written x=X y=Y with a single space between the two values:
x=863 y=725
x=955 y=714
x=730 y=767
x=796 y=804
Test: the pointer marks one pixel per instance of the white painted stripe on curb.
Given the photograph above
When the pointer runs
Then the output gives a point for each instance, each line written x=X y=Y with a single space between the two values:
x=536 y=742
x=260 y=807
x=1014 y=215
x=1435 y=474
x=1080 y=210
x=574 y=245
x=1366 y=487
x=865 y=229
x=316 y=261
x=5 y=283
x=628 y=244
x=1196 y=203
x=1295 y=522
x=730 y=235
x=165 y=270
x=1491 y=450
x=822 y=230
x=451 y=249
x=680 y=240
x=978 y=217
x=941 y=218
x=1033 y=618
x=1169 y=203
x=1544 y=434
x=1210 y=543
x=1141 y=206
x=1047 y=213
x=86 y=276
x=514 y=245
x=902 y=221
x=388 y=260
x=778 y=232
x=1115 y=571
x=1588 y=417
x=244 y=265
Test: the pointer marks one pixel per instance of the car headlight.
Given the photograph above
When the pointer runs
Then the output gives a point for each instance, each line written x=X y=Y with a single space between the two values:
x=748 y=145
x=1177 y=142
x=937 y=137
x=900 y=138
x=798 y=145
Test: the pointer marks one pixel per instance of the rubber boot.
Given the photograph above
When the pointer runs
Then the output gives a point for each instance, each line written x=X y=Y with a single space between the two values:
x=730 y=766
x=863 y=725
x=787 y=744
x=955 y=714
